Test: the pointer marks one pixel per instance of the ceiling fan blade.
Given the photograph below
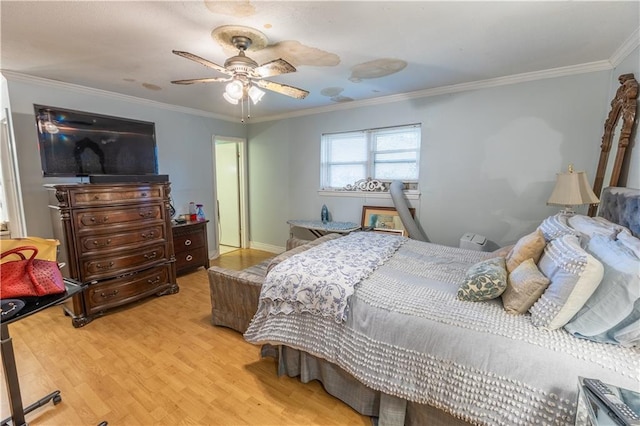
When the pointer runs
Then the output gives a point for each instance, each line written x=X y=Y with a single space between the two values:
x=202 y=80
x=202 y=61
x=294 y=92
x=275 y=67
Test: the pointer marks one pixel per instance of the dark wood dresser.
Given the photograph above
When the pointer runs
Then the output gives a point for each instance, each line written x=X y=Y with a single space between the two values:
x=117 y=239
x=190 y=244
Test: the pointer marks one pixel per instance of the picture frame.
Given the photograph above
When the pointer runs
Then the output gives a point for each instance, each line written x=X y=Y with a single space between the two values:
x=384 y=219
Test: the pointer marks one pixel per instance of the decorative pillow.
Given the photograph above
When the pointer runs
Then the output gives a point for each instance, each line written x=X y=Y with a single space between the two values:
x=629 y=241
x=555 y=226
x=588 y=227
x=525 y=285
x=615 y=305
x=528 y=247
x=574 y=275
x=485 y=280
x=503 y=251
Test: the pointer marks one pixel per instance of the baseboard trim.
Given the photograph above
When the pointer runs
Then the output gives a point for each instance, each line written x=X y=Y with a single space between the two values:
x=266 y=247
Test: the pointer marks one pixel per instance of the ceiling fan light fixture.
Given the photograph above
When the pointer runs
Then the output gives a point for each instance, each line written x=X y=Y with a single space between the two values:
x=255 y=94
x=229 y=99
x=235 y=90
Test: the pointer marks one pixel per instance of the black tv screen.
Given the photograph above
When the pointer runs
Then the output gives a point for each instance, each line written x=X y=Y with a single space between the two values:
x=75 y=143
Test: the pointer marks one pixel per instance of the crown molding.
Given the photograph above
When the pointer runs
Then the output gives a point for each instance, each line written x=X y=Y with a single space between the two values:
x=455 y=88
x=625 y=49
x=85 y=90
x=437 y=91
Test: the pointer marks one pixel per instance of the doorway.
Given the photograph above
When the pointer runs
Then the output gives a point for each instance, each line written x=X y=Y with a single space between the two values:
x=230 y=184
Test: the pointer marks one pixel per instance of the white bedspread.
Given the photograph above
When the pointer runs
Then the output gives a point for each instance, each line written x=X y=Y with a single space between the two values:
x=321 y=280
x=407 y=335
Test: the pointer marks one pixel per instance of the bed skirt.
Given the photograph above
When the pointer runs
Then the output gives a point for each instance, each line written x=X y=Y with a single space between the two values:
x=366 y=401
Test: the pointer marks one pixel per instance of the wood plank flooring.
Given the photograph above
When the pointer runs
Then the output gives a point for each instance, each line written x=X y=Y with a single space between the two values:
x=161 y=362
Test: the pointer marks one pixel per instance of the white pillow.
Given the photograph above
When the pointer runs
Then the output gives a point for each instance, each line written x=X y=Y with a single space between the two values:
x=611 y=307
x=574 y=276
x=556 y=226
x=629 y=241
x=588 y=226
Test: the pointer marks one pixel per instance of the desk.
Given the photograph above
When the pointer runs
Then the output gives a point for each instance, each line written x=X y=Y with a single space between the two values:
x=32 y=305
x=319 y=228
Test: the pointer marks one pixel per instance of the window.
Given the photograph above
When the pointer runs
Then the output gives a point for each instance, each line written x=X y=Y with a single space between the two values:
x=391 y=153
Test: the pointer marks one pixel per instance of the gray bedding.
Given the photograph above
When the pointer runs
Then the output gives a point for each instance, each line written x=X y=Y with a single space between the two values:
x=408 y=336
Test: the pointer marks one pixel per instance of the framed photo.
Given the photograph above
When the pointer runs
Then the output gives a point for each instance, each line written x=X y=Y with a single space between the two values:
x=384 y=219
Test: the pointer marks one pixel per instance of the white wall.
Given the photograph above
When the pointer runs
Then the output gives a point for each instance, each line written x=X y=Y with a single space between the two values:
x=489 y=156
x=488 y=159
x=183 y=139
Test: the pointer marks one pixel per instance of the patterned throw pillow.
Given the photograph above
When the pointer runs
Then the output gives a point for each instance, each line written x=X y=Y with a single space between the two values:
x=485 y=280
x=574 y=275
x=525 y=285
x=528 y=247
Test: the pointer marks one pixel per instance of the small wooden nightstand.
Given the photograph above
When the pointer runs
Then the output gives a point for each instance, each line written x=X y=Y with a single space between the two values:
x=190 y=245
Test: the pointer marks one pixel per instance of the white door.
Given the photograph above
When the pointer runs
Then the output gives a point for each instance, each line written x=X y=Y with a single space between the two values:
x=228 y=192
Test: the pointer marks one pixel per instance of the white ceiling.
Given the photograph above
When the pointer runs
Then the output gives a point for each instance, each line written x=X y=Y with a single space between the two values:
x=344 y=51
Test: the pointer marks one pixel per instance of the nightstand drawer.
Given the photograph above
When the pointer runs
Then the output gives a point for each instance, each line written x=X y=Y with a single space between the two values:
x=190 y=259
x=188 y=241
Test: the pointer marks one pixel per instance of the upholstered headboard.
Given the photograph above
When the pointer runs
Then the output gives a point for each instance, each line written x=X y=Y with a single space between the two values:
x=621 y=206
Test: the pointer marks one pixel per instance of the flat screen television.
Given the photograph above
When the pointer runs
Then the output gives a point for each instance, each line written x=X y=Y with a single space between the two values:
x=76 y=143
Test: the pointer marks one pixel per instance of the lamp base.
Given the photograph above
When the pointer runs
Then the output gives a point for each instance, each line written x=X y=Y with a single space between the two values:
x=567 y=211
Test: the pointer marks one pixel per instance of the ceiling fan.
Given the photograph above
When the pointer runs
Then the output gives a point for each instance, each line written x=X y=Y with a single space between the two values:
x=244 y=74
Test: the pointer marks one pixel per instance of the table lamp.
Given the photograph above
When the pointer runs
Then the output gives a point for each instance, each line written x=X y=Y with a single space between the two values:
x=572 y=189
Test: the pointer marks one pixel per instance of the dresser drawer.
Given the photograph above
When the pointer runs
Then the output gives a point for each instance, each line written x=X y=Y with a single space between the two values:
x=118 y=291
x=101 y=267
x=96 y=220
x=95 y=196
x=138 y=237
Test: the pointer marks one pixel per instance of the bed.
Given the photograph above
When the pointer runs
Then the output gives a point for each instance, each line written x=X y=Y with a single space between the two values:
x=413 y=342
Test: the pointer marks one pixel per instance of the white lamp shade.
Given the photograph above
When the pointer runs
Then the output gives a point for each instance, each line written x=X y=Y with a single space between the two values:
x=572 y=189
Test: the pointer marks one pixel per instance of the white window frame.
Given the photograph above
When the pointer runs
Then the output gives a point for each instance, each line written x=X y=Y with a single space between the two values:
x=369 y=135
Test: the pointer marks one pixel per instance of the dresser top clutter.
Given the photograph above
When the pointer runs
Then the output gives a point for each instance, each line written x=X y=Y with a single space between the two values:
x=117 y=239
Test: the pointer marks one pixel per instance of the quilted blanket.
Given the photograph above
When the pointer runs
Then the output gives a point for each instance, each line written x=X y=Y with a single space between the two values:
x=321 y=279
x=407 y=335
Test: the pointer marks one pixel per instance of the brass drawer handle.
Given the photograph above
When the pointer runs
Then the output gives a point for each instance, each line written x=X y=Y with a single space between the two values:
x=148 y=213
x=156 y=280
x=98 y=244
x=103 y=220
x=187 y=242
x=143 y=194
x=96 y=197
x=189 y=258
x=149 y=235
x=107 y=295
x=107 y=266
x=150 y=256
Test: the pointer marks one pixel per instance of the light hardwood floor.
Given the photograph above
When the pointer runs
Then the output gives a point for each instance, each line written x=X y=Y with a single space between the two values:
x=161 y=362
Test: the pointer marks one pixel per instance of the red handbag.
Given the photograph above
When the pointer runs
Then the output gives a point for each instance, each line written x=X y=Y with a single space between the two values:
x=29 y=277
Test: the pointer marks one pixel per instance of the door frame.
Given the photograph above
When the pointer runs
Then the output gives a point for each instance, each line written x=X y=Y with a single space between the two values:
x=11 y=178
x=243 y=192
